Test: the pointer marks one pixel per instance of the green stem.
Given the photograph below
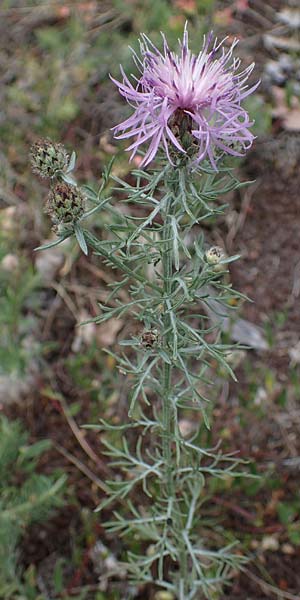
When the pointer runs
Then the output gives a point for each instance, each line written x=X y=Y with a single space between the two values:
x=167 y=411
x=120 y=264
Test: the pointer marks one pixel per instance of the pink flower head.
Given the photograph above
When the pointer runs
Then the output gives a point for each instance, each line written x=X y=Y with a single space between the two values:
x=204 y=90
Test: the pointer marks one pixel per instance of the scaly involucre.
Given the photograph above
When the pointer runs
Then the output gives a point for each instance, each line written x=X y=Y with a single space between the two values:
x=205 y=89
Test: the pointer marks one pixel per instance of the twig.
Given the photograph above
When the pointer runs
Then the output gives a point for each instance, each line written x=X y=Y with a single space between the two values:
x=261 y=5
x=82 y=467
x=80 y=436
x=50 y=316
x=236 y=509
x=66 y=298
x=239 y=222
x=258 y=18
x=267 y=587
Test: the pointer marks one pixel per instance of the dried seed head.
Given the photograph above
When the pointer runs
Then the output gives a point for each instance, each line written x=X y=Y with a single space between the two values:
x=47 y=158
x=65 y=204
x=149 y=338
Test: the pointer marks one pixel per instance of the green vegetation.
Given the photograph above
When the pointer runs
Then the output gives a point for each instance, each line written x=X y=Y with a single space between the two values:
x=26 y=497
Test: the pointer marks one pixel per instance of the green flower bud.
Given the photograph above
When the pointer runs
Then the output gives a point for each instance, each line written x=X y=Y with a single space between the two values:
x=214 y=256
x=164 y=596
x=47 y=158
x=65 y=204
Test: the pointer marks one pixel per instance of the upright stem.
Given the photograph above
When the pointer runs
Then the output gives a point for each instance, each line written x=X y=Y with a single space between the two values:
x=167 y=412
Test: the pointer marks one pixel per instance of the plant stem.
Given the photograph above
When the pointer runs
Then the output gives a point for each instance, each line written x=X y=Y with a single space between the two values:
x=168 y=413
x=167 y=409
x=95 y=244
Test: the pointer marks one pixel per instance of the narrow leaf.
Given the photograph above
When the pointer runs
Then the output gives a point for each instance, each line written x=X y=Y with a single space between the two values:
x=80 y=238
x=52 y=244
x=71 y=164
x=175 y=243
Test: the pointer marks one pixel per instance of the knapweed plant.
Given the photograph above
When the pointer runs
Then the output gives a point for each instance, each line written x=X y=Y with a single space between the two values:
x=186 y=119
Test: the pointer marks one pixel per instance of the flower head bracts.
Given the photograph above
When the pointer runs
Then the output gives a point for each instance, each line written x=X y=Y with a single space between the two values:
x=48 y=158
x=205 y=90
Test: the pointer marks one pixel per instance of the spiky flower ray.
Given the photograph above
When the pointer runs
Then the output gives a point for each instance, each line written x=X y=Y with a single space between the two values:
x=206 y=89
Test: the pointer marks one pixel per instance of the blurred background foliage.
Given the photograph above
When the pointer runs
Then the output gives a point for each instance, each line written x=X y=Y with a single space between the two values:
x=55 y=62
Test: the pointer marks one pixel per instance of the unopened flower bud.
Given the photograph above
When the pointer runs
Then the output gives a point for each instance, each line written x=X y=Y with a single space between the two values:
x=149 y=338
x=65 y=204
x=164 y=595
x=151 y=550
x=47 y=158
x=214 y=257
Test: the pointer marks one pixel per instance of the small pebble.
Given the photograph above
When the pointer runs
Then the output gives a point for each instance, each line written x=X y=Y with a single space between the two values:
x=287 y=549
x=270 y=542
x=10 y=262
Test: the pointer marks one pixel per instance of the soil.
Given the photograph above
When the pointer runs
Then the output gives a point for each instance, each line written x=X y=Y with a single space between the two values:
x=269 y=274
x=269 y=243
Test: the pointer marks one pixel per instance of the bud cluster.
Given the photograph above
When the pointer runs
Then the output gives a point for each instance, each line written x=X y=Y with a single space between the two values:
x=65 y=202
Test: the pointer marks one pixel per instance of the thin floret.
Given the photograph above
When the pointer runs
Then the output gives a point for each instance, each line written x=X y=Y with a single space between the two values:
x=206 y=88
